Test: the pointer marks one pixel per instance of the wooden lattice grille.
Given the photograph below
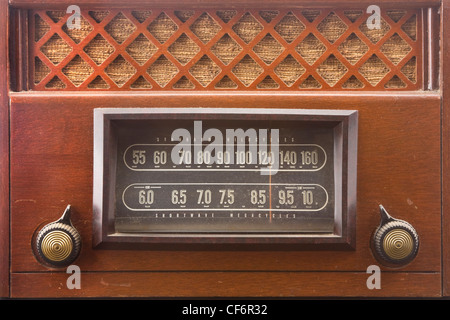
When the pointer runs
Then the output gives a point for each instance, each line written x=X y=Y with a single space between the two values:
x=300 y=49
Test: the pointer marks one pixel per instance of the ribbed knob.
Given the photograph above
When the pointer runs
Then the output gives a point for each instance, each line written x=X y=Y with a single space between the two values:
x=395 y=243
x=58 y=243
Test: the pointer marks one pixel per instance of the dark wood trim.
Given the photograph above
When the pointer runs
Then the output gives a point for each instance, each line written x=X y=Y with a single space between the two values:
x=345 y=161
x=18 y=50
x=433 y=48
x=215 y=3
x=103 y=99
x=226 y=284
x=430 y=48
x=4 y=153
x=445 y=85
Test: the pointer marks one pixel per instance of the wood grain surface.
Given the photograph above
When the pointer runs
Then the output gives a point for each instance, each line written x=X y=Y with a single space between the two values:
x=226 y=284
x=46 y=163
x=445 y=70
x=398 y=166
x=215 y=3
x=4 y=157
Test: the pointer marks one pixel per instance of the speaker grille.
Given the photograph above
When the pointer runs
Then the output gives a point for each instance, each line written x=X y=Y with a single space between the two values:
x=301 y=49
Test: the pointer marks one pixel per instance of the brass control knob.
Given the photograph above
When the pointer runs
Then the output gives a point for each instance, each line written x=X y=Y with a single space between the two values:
x=58 y=243
x=395 y=243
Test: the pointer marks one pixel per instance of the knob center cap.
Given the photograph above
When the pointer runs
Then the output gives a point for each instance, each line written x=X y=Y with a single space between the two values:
x=398 y=244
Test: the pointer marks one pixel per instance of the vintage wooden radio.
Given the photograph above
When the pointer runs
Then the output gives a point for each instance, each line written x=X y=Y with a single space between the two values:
x=224 y=149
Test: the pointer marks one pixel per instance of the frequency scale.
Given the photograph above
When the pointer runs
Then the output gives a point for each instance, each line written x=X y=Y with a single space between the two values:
x=227 y=176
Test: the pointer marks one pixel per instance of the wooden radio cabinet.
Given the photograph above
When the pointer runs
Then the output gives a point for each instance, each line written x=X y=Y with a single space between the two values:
x=224 y=149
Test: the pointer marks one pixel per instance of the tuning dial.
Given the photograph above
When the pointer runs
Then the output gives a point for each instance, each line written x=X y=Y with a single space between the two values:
x=395 y=243
x=58 y=243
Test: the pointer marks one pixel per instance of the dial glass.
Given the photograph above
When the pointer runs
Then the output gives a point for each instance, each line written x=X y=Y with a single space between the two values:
x=224 y=176
x=228 y=176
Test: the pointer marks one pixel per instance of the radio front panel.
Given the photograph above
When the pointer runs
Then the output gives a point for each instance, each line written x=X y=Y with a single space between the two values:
x=214 y=175
x=249 y=150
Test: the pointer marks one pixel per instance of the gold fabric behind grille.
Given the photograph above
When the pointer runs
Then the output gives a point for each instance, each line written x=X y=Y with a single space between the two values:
x=225 y=50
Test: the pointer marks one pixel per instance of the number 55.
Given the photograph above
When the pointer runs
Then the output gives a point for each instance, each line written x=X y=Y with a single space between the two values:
x=138 y=156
